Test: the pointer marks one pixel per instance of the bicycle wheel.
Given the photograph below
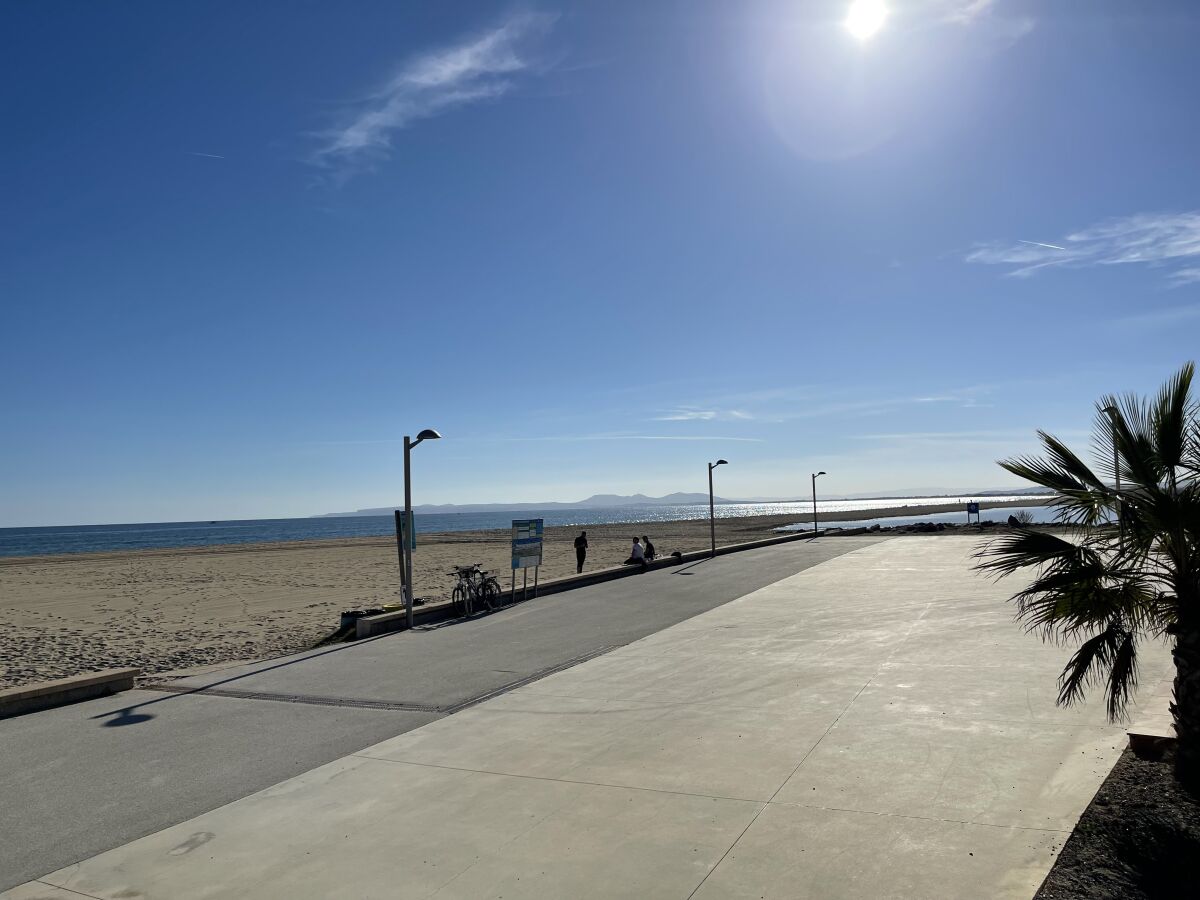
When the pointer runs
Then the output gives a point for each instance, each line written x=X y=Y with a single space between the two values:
x=461 y=600
x=482 y=599
x=492 y=595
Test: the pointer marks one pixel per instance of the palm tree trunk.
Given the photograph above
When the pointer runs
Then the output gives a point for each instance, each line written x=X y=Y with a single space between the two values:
x=1186 y=707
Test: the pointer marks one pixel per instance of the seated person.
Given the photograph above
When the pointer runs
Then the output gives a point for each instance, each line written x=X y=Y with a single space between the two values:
x=648 y=549
x=637 y=556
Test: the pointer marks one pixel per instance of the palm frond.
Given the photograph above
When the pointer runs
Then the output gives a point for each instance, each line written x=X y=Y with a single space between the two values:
x=1077 y=501
x=1022 y=548
x=1109 y=659
x=1037 y=470
x=1068 y=601
x=1140 y=465
x=1122 y=678
x=1170 y=418
x=1066 y=459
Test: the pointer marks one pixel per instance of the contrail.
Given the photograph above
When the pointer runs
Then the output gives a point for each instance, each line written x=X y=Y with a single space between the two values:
x=1040 y=244
x=209 y=155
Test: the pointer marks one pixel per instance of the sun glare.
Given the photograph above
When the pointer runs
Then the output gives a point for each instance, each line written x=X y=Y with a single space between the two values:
x=865 y=17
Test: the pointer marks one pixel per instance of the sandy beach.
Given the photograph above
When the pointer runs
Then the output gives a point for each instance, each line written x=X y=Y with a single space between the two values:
x=163 y=610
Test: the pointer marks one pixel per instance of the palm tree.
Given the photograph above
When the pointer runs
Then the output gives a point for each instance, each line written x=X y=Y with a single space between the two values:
x=1125 y=565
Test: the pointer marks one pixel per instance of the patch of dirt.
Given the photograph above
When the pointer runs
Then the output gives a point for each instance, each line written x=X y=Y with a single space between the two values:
x=1139 y=839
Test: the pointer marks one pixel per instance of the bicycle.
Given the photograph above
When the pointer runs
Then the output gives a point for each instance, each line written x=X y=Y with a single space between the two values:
x=474 y=584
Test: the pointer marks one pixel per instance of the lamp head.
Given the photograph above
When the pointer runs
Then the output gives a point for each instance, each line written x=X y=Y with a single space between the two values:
x=720 y=462
x=427 y=434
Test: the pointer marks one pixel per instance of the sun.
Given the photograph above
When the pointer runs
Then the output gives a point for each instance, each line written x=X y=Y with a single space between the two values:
x=865 y=17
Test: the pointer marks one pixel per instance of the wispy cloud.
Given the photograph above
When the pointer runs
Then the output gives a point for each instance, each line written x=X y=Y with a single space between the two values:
x=1153 y=239
x=481 y=68
x=967 y=11
x=1161 y=318
x=1040 y=244
x=1185 y=276
x=206 y=155
x=694 y=414
x=777 y=406
x=1006 y=27
x=638 y=437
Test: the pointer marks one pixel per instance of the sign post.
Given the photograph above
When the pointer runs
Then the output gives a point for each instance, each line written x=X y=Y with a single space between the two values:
x=400 y=551
x=406 y=542
x=526 y=552
x=973 y=508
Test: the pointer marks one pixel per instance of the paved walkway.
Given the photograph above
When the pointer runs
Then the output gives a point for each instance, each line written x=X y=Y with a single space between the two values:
x=875 y=726
x=85 y=778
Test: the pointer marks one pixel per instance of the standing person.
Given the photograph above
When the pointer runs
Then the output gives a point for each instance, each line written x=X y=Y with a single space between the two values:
x=637 y=556
x=580 y=552
x=648 y=549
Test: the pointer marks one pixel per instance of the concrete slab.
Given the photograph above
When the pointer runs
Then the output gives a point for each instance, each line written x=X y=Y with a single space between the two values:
x=371 y=828
x=802 y=853
x=956 y=770
x=663 y=747
x=39 y=890
x=825 y=736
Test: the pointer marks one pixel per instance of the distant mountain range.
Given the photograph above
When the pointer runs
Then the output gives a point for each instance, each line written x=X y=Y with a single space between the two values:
x=603 y=501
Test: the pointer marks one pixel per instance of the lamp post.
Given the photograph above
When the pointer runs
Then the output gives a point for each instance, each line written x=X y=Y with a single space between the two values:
x=712 y=516
x=427 y=434
x=814 y=485
x=1112 y=420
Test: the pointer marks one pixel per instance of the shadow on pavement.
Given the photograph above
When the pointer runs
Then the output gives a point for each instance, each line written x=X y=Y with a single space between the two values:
x=126 y=715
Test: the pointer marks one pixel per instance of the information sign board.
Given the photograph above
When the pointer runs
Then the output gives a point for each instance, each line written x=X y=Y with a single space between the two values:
x=405 y=532
x=526 y=543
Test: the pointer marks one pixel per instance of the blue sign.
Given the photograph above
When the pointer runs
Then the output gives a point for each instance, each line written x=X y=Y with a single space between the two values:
x=972 y=508
x=526 y=543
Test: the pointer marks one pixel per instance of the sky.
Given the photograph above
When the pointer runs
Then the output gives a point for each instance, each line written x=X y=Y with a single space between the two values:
x=246 y=248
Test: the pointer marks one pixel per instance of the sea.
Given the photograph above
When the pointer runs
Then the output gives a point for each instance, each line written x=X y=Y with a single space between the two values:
x=53 y=540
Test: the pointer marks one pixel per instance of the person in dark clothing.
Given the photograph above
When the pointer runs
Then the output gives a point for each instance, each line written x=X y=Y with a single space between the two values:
x=648 y=548
x=637 y=555
x=580 y=552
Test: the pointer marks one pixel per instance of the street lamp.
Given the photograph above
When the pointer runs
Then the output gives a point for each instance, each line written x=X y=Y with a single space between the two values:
x=1112 y=421
x=427 y=435
x=814 y=485
x=712 y=517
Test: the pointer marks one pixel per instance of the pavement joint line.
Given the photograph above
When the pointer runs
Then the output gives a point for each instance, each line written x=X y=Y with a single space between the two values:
x=600 y=784
x=306 y=699
x=887 y=815
x=812 y=749
x=530 y=679
x=59 y=887
x=360 y=703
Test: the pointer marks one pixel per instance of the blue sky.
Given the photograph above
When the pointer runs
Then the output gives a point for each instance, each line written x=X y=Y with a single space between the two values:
x=246 y=247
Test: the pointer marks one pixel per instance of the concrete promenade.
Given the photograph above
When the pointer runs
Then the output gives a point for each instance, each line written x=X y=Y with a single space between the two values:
x=85 y=778
x=875 y=726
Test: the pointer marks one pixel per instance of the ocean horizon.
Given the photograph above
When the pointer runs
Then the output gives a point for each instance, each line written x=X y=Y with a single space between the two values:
x=52 y=540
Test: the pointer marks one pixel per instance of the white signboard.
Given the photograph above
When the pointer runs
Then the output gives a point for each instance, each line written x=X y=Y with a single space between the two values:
x=526 y=543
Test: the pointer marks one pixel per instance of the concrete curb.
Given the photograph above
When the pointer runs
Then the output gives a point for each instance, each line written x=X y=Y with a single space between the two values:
x=48 y=694
x=369 y=626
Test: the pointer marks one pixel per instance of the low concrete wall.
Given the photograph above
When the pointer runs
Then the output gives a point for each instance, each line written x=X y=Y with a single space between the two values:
x=381 y=623
x=47 y=694
x=369 y=626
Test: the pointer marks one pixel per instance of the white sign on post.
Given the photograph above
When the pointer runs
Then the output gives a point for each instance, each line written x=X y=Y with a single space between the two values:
x=526 y=543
